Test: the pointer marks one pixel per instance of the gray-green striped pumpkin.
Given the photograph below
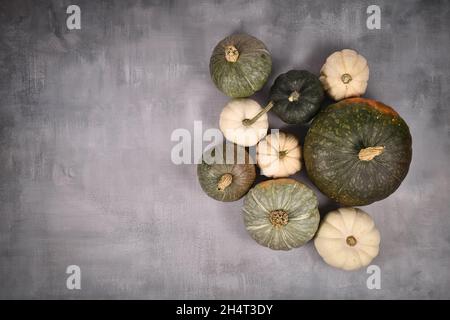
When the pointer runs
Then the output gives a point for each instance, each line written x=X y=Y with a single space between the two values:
x=358 y=151
x=227 y=175
x=296 y=95
x=240 y=65
x=281 y=214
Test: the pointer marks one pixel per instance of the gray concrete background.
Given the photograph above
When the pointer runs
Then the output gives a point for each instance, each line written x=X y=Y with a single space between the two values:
x=85 y=172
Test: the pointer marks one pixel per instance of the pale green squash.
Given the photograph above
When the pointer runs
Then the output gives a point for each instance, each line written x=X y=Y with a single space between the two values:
x=281 y=214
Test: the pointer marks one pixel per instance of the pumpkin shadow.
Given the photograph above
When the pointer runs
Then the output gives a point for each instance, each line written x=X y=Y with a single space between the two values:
x=299 y=131
x=260 y=177
x=327 y=205
x=326 y=102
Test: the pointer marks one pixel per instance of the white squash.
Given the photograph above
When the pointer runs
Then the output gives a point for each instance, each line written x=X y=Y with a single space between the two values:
x=345 y=74
x=244 y=122
x=279 y=155
x=347 y=239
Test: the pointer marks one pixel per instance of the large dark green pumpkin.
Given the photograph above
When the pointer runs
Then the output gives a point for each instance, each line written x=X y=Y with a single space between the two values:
x=296 y=95
x=240 y=65
x=226 y=172
x=358 y=151
x=281 y=214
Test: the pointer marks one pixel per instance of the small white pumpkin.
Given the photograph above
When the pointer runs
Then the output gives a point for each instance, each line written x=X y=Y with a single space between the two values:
x=279 y=155
x=347 y=239
x=345 y=74
x=244 y=122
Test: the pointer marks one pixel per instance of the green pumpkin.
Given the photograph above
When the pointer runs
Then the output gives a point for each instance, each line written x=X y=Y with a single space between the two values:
x=226 y=173
x=296 y=95
x=240 y=65
x=281 y=214
x=357 y=151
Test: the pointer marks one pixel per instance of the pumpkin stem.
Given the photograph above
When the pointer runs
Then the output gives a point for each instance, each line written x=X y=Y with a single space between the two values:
x=278 y=218
x=346 y=78
x=249 y=122
x=369 y=153
x=351 y=241
x=224 y=181
x=294 y=96
x=282 y=154
x=231 y=53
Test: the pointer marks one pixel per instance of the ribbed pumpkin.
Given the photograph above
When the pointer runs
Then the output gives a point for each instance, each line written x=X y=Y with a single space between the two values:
x=296 y=95
x=244 y=122
x=358 y=151
x=240 y=65
x=347 y=239
x=345 y=74
x=281 y=214
x=226 y=172
x=279 y=155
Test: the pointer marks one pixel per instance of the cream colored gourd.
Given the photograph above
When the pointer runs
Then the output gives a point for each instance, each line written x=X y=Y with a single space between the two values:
x=347 y=239
x=345 y=74
x=279 y=155
x=244 y=122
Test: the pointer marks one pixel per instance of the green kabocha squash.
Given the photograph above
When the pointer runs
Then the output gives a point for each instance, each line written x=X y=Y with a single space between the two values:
x=226 y=172
x=358 y=151
x=281 y=214
x=296 y=96
x=240 y=65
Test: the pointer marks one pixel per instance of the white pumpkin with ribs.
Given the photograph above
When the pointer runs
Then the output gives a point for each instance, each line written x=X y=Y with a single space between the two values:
x=244 y=121
x=347 y=239
x=345 y=74
x=279 y=155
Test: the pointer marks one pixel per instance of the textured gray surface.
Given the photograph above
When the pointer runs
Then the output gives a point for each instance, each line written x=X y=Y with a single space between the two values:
x=85 y=171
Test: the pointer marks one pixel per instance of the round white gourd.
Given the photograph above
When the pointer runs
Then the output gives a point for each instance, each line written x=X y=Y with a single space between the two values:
x=345 y=74
x=347 y=239
x=279 y=155
x=244 y=122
